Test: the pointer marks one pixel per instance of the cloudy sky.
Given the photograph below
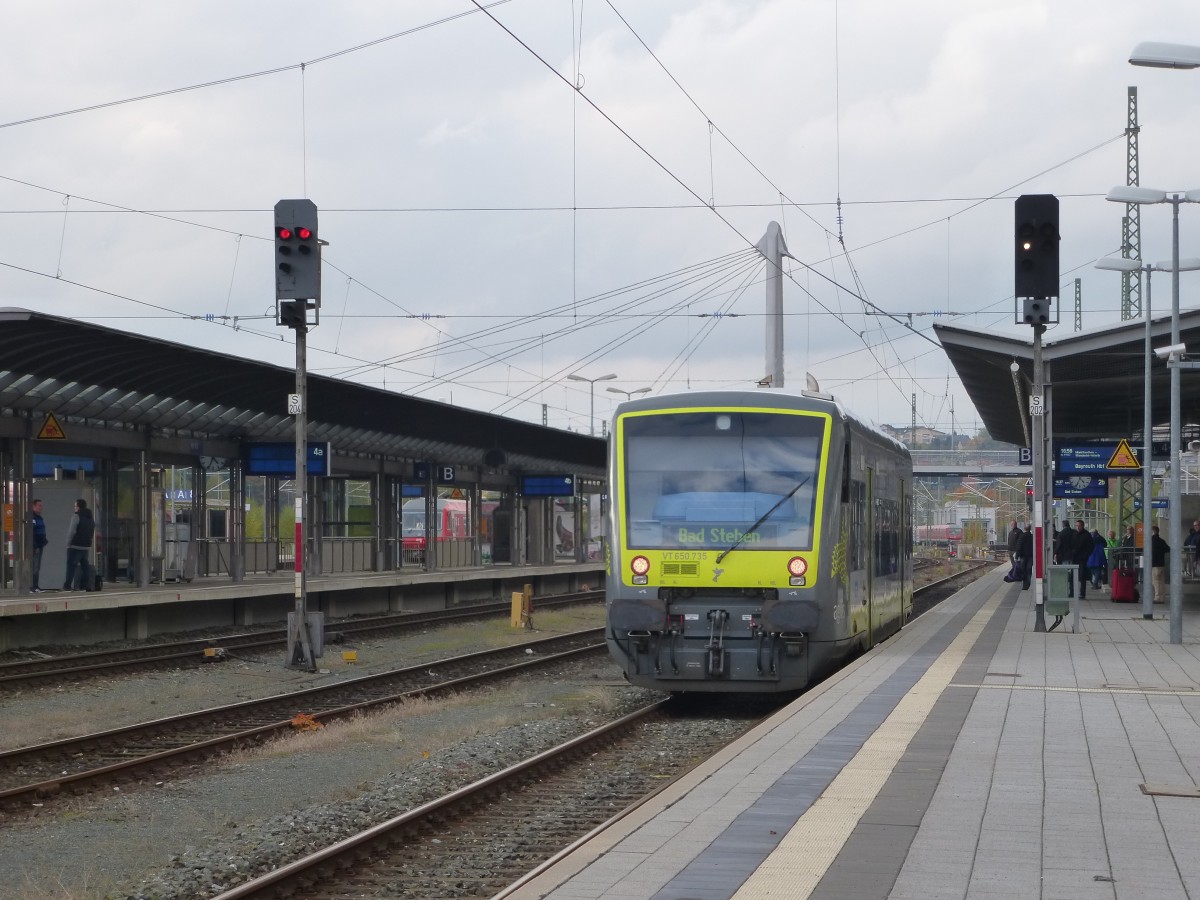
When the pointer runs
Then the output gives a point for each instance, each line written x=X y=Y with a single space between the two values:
x=551 y=187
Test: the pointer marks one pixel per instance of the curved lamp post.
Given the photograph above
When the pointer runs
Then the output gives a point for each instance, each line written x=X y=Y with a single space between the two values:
x=1140 y=195
x=628 y=394
x=592 y=382
x=1122 y=264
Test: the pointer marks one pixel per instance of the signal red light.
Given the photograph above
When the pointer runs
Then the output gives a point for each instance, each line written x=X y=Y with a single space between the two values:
x=285 y=234
x=303 y=233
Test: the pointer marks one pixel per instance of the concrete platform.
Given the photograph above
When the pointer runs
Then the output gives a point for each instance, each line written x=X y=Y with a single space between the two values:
x=968 y=757
x=122 y=611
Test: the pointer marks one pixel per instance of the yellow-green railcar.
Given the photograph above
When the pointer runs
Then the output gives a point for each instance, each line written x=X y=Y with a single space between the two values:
x=756 y=539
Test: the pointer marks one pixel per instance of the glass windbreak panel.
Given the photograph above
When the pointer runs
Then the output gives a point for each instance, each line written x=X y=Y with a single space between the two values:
x=701 y=480
x=413 y=518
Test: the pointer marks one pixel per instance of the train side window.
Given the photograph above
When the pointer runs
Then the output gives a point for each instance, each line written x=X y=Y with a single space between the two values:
x=887 y=536
x=858 y=526
x=846 y=473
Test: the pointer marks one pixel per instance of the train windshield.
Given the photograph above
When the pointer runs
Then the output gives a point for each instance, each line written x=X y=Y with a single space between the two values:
x=700 y=480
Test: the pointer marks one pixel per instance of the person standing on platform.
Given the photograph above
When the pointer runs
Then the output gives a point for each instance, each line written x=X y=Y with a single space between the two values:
x=79 y=542
x=1080 y=552
x=1128 y=554
x=1063 y=542
x=1191 y=546
x=39 y=543
x=1014 y=542
x=1025 y=556
x=1158 y=564
x=1098 y=562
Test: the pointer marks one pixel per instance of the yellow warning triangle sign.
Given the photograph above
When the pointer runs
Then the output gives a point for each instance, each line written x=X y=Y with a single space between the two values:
x=1123 y=457
x=51 y=430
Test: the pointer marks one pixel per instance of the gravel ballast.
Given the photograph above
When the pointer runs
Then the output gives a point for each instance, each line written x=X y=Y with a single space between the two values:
x=193 y=837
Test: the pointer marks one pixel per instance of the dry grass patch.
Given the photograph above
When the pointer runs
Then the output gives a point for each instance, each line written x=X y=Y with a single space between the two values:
x=53 y=887
x=492 y=634
x=443 y=724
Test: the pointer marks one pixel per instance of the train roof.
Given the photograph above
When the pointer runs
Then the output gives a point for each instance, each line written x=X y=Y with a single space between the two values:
x=781 y=397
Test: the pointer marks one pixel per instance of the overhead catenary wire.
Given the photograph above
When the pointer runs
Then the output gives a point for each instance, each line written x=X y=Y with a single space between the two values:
x=860 y=291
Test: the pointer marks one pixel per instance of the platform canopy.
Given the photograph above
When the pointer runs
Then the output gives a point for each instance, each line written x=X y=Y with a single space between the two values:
x=103 y=382
x=1098 y=377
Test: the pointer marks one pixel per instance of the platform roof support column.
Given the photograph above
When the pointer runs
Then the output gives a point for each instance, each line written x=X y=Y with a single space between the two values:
x=142 y=502
x=314 y=538
x=381 y=507
x=431 y=521
x=581 y=540
x=22 y=463
x=199 y=522
x=237 y=522
x=271 y=523
x=475 y=505
x=520 y=543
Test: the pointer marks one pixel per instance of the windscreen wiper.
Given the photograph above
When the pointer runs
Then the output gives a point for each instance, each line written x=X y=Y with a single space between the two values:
x=749 y=531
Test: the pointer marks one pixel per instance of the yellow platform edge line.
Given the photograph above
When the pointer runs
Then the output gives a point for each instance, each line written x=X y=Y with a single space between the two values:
x=796 y=866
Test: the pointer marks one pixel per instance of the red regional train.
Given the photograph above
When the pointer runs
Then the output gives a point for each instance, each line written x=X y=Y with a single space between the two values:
x=938 y=534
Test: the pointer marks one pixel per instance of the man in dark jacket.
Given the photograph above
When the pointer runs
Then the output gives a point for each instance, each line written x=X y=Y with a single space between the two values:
x=39 y=544
x=1025 y=555
x=79 y=542
x=1014 y=541
x=1063 y=542
x=1081 y=549
x=1159 y=550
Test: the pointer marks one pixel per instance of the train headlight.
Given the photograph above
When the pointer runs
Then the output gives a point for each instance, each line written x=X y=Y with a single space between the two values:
x=797 y=566
x=640 y=566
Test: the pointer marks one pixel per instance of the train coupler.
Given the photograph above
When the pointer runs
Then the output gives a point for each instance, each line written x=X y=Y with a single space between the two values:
x=715 y=648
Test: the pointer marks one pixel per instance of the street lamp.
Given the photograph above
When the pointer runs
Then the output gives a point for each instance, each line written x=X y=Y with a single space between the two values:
x=592 y=382
x=1140 y=195
x=1122 y=264
x=628 y=394
x=1158 y=55
x=1172 y=56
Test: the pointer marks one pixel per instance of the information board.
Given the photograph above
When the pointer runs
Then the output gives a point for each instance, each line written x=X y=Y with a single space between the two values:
x=548 y=485
x=1088 y=459
x=278 y=458
x=1080 y=486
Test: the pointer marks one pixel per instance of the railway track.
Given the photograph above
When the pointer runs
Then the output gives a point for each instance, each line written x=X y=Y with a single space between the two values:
x=198 y=652
x=482 y=838
x=128 y=754
x=192 y=653
x=490 y=836
x=133 y=753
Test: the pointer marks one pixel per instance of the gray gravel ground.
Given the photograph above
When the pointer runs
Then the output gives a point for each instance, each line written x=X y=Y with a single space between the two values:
x=196 y=836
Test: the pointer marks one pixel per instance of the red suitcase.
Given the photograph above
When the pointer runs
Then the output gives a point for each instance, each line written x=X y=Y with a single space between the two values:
x=1123 y=585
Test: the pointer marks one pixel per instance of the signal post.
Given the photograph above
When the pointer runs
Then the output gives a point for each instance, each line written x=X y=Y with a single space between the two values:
x=297 y=293
x=1036 y=283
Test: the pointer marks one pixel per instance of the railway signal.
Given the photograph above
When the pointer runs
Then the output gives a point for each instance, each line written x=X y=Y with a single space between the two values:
x=297 y=290
x=1035 y=248
x=1036 y=259
x=297 y=251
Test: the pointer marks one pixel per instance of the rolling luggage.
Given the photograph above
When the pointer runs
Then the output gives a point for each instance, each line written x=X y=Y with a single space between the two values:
x=1123 y=581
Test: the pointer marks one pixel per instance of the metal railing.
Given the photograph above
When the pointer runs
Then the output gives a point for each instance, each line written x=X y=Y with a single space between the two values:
x=346 y=555
x=956 y=458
